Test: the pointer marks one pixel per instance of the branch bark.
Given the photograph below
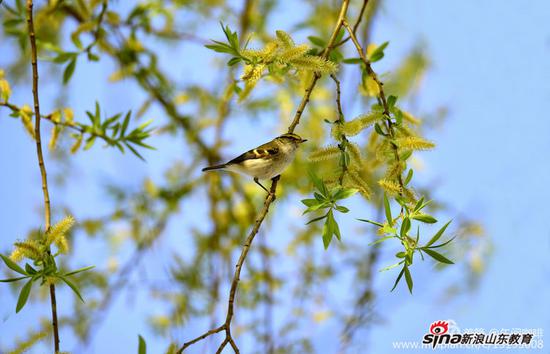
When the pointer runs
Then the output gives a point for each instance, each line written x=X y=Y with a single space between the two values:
x=41 y=165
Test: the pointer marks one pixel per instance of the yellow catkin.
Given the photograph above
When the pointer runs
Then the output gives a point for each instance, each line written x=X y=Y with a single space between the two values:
x=284 y=38
x=5 y=90
x=395 y=169
x=371 y=87
x=69 y=115
x=356 y=125
x=325 y=153
x=57 y=232
x=355 y=152
x=290 y=54
x=414 y=143
x=26 y=118
x=76 y=144
x=390 y=186
x=30 y=249
x=54 y=137
x=313 y=63
x=355 y=180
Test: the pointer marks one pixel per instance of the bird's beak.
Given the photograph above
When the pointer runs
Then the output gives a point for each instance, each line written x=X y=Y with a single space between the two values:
x=303 y=141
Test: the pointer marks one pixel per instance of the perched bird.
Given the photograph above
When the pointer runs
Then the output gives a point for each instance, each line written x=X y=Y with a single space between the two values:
x=266 y=161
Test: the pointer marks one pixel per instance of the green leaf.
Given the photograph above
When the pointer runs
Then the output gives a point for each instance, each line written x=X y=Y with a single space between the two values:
x=316 y=219
x=142 y=346
x=10 y=280
x=405 y=227
x=64 y=57
x=12 y=265
x=23 y=295
x=381 y=240
x=317 y=41
x=352 y=61
x=372 y=222
x=72 y=286
x=444 y=243
x=333 y=225
x=391 y=101
x=309 y=202
x=378 y=53
x=78 y=271
x=425 y=218
x=69 y=70
x=30 y=269
x=398 y=278
x=378 y=129
x=320 y=205
x=437 y=256
x=319 y=184
x=419 y=204
x=409 y=279
x=342 y=209
x=233 y=61
x=401 y=254
x=327 y=235
x=388 y=210
x=438 y=235
x=89 y=142
x=343 y=193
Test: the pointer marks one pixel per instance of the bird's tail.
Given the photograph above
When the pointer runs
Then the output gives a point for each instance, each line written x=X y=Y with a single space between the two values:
x=215 y=167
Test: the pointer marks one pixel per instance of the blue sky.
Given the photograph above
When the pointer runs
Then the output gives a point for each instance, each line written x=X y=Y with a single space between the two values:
x=490 y=67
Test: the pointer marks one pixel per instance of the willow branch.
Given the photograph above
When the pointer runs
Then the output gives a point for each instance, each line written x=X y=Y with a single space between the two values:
x=41 y=165
x=381 y=95
x=267 y=203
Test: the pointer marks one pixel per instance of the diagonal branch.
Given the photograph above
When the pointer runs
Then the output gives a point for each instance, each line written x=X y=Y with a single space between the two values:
x=267 y=203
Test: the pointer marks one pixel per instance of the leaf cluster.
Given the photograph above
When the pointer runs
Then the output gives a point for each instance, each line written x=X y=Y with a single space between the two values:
x=327 y=199
x=400 y=227
x=44 y=267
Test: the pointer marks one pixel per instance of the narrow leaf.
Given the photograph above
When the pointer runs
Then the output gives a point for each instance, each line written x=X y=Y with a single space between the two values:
x=388 y=210
x=12 y=265
x=398 y=279
x=372 y=222
x=409 y=279
x=72 y=286
x=23 y=296
x=437 y=256
x=425 y=218
x=142 y=347
x=78 y=271
x=69 y=70
x=438 y=235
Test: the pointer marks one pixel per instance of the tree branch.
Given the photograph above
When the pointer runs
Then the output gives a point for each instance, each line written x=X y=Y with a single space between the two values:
x=381 y=95
x=267 y=202
x=41 y=165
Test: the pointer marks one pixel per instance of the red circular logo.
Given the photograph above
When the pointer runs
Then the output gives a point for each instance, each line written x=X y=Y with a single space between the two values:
x=438 y=328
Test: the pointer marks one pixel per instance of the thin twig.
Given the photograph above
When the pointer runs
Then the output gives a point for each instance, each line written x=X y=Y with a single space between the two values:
x=341 y=120
x=41 y=165
x=357 y=23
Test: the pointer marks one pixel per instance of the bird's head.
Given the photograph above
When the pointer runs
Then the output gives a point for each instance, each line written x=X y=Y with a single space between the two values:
x=292 y=138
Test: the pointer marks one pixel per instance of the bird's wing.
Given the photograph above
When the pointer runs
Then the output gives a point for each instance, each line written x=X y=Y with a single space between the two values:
x=261 y=152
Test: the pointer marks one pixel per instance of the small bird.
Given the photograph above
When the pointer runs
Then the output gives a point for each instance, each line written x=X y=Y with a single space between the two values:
x=266 y=161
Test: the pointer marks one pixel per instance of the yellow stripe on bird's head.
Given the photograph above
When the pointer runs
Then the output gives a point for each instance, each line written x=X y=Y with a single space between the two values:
x=293 y=137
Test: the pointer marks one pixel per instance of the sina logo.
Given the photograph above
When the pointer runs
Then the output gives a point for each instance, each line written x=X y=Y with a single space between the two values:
x=438 y=335
x=439 y=327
